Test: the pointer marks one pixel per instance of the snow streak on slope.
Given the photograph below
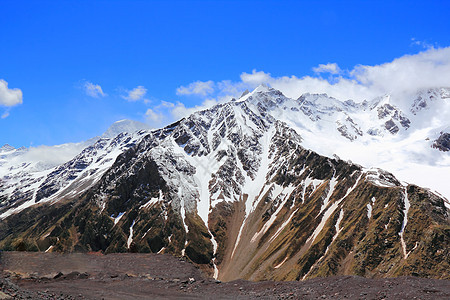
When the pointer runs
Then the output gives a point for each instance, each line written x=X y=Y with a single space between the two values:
x=253 y=187
x=329 y=212
x=405 y=221
x=130 y=236
x=338 y=230
x=370 y=207
x=277 y=192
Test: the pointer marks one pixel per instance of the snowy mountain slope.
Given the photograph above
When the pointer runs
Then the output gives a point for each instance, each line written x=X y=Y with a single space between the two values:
x=235 y=189
x=29 y=175
x=373 y=134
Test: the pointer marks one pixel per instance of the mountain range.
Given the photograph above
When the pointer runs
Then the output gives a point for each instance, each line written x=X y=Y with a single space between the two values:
x=260 y=187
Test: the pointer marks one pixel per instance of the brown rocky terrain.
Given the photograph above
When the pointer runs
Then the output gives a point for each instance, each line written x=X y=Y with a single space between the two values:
x=27 y=275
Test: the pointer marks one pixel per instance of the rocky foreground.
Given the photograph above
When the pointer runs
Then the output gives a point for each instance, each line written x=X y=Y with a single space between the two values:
x=27 y=275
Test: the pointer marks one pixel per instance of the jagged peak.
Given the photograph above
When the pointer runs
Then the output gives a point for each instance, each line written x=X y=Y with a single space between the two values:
x=425 y=97
x=443 y=91
x=377 y=101
x=7 y=148
x=262 y=88
x=246 y=92
x=313 y=95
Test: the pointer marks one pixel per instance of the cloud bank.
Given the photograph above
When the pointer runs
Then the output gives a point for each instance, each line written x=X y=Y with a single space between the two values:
x=401 y=78
x=9 y=97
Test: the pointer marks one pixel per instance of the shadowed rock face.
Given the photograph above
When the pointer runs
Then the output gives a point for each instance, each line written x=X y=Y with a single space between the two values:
x=443 y=142
x=232 y=189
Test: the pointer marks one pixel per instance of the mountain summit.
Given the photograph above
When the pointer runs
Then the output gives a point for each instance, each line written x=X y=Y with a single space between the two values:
x=254 y=188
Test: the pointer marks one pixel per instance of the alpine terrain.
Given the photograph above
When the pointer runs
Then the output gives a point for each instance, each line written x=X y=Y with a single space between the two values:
x=261 y=187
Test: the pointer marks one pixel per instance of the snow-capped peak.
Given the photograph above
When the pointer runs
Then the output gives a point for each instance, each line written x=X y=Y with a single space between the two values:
x=262 y=88
x=6 y=148
x=425 y=98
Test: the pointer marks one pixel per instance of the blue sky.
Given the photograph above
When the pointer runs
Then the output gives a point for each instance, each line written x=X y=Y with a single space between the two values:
x=69 y=69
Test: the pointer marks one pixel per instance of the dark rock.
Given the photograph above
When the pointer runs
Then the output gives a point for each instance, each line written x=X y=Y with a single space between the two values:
x=391 y=126
x=443 y=142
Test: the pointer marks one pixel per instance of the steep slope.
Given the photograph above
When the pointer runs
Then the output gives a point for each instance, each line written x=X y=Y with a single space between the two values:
x=234 y=189
x=30 y=175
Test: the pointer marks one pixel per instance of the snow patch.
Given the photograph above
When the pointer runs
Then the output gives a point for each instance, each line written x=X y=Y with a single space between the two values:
x=153 y=201
x=281 y=263
x=277 y=191
x=404 y=223
x=117 y=219
x=370 y=207
x=333 y=183
x=130 y=237
x=329 y=212
x=214 y=243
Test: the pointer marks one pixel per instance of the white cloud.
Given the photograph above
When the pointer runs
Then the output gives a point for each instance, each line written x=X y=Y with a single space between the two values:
x=180 y=110
x=166 y=104
x=136 y=94
x=331 y=68
x=154 y=117
x=202 y=88
x=401 y=77
x=9 y=97
x=93 y=90
x=255 y=78
x=5 y=115
x=423 y=44
x=47 y=156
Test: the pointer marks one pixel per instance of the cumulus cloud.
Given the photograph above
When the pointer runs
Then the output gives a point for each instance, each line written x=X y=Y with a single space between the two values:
x=331 y=68
x=426 y=69
x=9 y=97
x=256 y=78
x=93 y=90
x=197 y=88
x=136 y=94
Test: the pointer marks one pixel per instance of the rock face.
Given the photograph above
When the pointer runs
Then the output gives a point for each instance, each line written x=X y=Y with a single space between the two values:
x=443 y=142
x=233 y=189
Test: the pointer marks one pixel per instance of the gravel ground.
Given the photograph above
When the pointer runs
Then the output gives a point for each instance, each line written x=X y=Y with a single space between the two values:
x=152 y=276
